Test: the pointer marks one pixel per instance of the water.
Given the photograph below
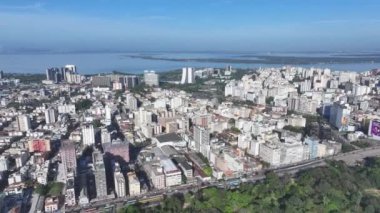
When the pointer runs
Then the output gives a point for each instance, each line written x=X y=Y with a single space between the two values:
x=90 y=63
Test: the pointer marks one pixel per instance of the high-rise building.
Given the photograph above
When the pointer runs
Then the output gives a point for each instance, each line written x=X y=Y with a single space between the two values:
x=23 y=122
x=70 y=68
x=312 y=143
x=339 y=116
x=4 y=163
x=105 y=136
x=101 y=81
x=88 y=135
x=293 y=103
x=66 y=108
x=151 y=78
x=201 y=137
x=54 y=74
x=68 y=157
x=130 y=81
x=188 y=76
x=67 y=70
x=1 y=74
x=142 y=117
x=70 y=191
x=118 y=148
x=50 y=116
x=133 y=184
x=100 y=174
x=108 y=117
x=131 y=102
x=119 y=181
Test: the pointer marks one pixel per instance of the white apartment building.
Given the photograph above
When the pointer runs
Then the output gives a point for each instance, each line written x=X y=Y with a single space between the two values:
x=23 y=122
x=67 y=108
x=50 y=116
x=133 y=184
x=88 y=135
x=151 y=78
x=120 y=186
x=173 y=175
x=276 y=153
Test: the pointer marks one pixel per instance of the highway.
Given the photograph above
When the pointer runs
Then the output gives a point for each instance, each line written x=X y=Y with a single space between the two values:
x=351 y=158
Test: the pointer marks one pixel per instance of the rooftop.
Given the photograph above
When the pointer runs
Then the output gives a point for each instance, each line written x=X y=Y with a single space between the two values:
x=169 y=137
x=168 y=165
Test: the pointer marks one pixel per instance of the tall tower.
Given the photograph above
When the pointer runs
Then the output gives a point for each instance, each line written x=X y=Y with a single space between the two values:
x=119 y=181
x=100 y=174
x=23 y=122
x=50 y=116
x=187 y=75
x=68 y=157
x=88 y=135
x=201 y=137
x=151 y=78
x=108 y=115
x=105 y=136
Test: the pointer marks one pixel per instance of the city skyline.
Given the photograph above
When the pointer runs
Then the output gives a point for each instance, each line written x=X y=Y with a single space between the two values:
x=216 y=25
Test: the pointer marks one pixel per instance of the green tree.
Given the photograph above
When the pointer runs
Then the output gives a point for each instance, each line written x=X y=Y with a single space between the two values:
x=269 y=100
x=83 y=104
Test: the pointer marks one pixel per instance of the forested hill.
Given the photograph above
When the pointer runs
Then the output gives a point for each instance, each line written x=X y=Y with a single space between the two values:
x=334 y=188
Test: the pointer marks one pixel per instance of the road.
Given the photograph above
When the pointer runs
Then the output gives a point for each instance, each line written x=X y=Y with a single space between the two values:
x=353 y=157
x=350 y=158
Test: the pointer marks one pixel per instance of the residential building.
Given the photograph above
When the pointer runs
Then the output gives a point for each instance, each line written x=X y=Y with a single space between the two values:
x=100 y=175
x=133 y=184
x=68 y=157
x=23 y=122
x=151 y=78
x=119 y=181
x=50 y=116
x=88 y=135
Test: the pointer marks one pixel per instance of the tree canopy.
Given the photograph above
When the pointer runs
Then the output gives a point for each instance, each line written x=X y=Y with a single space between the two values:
x=333 y=188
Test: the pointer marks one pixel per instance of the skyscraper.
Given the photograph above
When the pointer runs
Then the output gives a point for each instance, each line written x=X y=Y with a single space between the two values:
x=88 y=135
x=50 y=116
x=131 y=81
x=68 y=157
x=151 y=78
x=108 y=115
x=70 y=191
x=119 y=180
x=118 y=148
x=100 y=174
x=1 y=74
x=101 y=81
x=54 y=74
x=105 y=136
x=188 y=76
x=201 y=137
x=131 y=102
x=23 y=122
x=339 y=116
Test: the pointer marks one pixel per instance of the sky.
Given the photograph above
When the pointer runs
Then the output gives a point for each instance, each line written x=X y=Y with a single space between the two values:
x=189 y=25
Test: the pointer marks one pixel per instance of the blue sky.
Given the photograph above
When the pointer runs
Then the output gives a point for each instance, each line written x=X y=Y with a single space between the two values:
x=190 y=25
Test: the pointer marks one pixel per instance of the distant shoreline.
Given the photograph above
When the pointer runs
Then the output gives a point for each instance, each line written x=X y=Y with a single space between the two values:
x=277 y=60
